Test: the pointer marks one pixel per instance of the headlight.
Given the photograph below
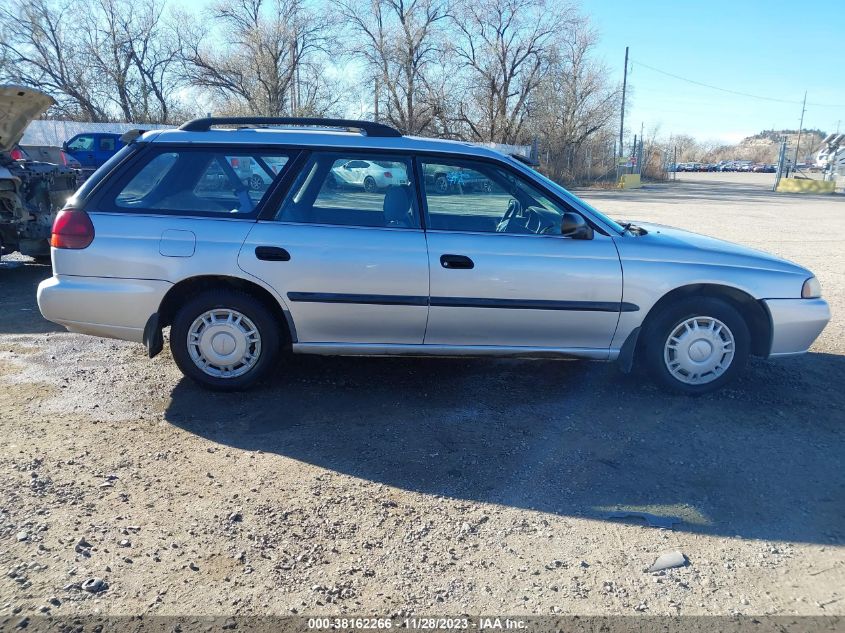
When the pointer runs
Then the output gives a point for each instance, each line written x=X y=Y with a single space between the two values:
x=812 y=289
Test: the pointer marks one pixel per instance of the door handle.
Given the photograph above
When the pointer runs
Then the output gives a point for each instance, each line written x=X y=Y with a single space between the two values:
x=456 y=261
x=272 y=254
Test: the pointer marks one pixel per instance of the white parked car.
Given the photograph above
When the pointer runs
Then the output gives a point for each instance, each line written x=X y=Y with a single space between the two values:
x=369 y=175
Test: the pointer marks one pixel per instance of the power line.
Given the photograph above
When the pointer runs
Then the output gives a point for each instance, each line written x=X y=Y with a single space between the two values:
x=734 y=92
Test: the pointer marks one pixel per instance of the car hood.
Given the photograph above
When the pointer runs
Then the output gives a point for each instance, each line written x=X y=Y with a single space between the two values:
x=18 y=106
x=684 y=246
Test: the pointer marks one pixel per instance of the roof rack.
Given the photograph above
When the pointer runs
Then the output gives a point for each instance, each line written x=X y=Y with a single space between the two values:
x=525 y=160
x=370 y=128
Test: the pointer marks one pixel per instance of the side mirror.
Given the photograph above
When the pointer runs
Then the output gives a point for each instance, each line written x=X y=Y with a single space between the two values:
x=64 y=146
x=574 y=226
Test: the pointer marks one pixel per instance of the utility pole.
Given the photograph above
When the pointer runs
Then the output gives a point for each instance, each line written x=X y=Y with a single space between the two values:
x=800 y=127
x=375 y=107
x=622 y=118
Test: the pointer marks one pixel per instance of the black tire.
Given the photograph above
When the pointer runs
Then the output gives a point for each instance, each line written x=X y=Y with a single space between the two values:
x=657 y=331
x=370 y=185
x=441 y=184
x=265 y=323
x=256 y=183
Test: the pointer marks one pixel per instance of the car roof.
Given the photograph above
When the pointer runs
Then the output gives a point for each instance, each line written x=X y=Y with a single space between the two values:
x=316 y=138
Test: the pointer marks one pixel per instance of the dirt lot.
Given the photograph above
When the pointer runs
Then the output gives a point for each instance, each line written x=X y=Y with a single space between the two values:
x=379 y=487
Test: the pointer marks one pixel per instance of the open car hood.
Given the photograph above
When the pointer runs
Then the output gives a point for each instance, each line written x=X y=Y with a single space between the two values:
x=19 y=106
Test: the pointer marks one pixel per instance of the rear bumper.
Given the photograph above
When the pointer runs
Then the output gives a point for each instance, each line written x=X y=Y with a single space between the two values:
x=796 y=323
x=101 y=306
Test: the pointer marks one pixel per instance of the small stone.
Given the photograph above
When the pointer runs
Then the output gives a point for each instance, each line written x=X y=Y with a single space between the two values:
x=236 y=517
x=94 y=585
x=193 y=566
x=125 y=543
x=55 y=601
x=82 y=545
x=668 y=561
x=465 y=528
x=743 y=600
x=23 y=535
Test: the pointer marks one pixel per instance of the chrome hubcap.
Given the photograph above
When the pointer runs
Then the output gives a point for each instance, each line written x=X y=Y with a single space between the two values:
x=224 y=343
x=699 y=350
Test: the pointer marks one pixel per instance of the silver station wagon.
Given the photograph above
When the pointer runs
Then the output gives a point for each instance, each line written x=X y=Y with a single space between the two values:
x=449 y=249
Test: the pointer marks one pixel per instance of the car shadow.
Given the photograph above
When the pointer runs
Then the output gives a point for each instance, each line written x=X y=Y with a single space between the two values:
x=19 y=312
x=761 y=460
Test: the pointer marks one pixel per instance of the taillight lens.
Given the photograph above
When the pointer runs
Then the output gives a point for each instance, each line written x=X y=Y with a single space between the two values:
x=72 y=228
x=17 y=154
x=387 y=174
x=234 y=162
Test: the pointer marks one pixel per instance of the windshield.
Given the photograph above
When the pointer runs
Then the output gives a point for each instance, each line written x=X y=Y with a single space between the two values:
x=568 y=195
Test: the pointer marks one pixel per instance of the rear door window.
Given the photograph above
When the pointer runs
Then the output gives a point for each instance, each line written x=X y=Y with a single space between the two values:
x=190 y=181
x=340 y=190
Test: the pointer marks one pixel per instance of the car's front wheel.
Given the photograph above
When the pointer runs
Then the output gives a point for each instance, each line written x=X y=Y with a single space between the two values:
x=224 y=339
x=696 y=345
x=370 y=185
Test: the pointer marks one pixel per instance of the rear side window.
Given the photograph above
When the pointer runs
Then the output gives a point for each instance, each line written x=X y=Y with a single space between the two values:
x=343 y=190
x=205 y=181
x=107 y=144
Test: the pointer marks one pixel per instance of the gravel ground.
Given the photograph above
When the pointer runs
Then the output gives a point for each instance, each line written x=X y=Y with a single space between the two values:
x=391 y=486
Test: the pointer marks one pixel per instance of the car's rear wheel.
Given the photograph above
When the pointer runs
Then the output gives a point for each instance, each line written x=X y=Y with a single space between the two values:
x=696 y=345
x=224 y=339
x=441 y=184
x=370 y=185
x=256 y=183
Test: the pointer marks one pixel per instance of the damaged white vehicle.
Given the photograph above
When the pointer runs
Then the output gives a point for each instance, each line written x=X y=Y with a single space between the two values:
x=31 y=192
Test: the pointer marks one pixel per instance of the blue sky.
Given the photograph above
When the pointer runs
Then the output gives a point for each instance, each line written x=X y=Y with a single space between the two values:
x=772 y=49
x=769 y=48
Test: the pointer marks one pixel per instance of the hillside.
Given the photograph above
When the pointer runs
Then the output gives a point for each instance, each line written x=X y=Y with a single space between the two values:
x=763 y=147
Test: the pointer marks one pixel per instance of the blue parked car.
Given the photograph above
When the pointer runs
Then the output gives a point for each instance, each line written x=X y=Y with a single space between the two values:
x=93 y=149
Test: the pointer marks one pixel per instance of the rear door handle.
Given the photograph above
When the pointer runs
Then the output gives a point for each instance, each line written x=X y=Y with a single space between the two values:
x=456 y=261
x=272 y=254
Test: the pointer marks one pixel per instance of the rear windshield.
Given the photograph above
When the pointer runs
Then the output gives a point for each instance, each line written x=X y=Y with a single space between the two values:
x=97 y=177
x=205 y=181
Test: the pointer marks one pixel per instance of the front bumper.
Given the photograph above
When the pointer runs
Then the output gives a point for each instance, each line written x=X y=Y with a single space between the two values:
x=101 y=306
x=796 y=323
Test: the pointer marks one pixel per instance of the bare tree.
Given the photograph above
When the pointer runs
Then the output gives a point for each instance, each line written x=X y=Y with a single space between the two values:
x=115 y=60
x=399 y=41
x=506 y=48
x=575 y=102
x=136 y=52
x=43 y=47
x=267 y=45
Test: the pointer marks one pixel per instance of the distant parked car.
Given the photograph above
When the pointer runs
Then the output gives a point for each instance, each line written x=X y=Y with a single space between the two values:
x=93 y=149
x=450 y=180
x=369 y=175
x=261 y=176
x=51 y=154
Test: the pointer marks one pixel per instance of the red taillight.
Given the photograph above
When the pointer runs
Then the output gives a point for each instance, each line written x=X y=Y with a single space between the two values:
x=64 y=158
x=387 y=174
x=72 y=228
x=234 y=162
x=17 y=154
